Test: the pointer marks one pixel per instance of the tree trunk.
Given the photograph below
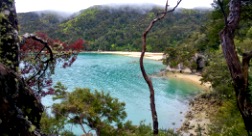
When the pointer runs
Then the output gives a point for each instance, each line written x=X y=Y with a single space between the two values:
x=238 y=70
x=146 y=77
x=151 y=89
x=20 y=110
x=9 y=43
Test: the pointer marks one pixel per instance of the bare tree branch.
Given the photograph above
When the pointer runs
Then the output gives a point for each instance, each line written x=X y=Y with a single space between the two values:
x=146 y=77
x=178 y=2
x=30 y=36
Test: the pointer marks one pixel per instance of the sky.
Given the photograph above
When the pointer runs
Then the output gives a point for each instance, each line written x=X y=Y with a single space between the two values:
x=77 y=5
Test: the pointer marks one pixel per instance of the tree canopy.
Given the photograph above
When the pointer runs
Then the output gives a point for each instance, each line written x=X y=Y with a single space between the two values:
x=110 y=28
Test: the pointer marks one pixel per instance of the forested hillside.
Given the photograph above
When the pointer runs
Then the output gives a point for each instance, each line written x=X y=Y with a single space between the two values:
x=109 y=28
x=44 y=21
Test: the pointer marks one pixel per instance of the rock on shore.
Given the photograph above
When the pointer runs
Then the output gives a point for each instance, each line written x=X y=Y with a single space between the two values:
x=197 y=118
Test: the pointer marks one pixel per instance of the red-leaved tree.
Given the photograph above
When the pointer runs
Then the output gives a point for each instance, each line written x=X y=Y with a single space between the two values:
x=39 y=55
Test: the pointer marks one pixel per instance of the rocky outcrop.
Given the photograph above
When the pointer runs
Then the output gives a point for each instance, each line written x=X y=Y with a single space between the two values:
x=197 y=64
x=180 y=68
x=200 y=61
x=197 y=118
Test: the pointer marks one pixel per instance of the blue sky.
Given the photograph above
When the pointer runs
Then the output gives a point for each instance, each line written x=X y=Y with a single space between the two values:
x=77 y=5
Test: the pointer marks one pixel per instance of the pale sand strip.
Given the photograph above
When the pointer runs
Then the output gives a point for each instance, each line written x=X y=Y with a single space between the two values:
x=148 y=55
x=193 y=78
x=198 y=113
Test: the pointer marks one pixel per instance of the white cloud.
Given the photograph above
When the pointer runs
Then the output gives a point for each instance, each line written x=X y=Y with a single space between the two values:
x=77 y=5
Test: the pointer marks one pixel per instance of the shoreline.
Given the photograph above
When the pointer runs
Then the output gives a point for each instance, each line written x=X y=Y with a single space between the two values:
x=192 y=78
x=199 y=108
x=157 y=56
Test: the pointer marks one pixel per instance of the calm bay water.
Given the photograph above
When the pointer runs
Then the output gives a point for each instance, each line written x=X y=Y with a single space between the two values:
x=121 y=77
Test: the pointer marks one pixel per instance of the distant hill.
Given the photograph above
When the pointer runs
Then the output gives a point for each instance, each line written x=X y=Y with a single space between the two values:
x=46 y=21
x=116 y=28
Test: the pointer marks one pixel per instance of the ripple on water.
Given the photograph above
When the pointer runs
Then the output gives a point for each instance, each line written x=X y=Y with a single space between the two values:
x=121 y=77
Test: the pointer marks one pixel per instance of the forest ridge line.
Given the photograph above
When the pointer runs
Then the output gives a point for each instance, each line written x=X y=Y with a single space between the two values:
x=115 y=29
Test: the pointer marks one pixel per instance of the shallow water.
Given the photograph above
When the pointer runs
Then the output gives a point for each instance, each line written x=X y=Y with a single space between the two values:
x=121 y=77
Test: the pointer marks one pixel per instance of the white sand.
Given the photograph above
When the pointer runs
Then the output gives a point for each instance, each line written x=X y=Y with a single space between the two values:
x=148 y=55
x=193 y=78
x=199 y=110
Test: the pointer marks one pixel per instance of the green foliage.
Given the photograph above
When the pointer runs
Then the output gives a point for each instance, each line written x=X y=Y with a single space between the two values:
x=243 y=45
x=51 y=125
x=59 y=91
x=104 y=26
x=181 y=54
x=46 y=22
x=184 y=51
x=227 y=121
x=96 y=110
x=218 y=74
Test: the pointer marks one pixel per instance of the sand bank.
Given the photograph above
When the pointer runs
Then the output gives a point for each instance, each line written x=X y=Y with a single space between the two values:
x=148 y=55
x=193 y=78
x=200 y=108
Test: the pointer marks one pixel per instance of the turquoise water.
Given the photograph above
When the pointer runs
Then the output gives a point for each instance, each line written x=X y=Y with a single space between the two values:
x=121 y=77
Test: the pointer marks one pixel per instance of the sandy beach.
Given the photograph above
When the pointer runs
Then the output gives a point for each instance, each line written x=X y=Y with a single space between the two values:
x=199 y=108
x=193 y=78
x=148 y=55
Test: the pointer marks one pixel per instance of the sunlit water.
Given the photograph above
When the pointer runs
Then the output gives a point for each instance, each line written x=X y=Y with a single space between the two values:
x=121 y=77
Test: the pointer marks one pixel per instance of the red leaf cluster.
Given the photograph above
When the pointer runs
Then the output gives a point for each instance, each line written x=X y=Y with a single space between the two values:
x=77 y=45
x=37 y=63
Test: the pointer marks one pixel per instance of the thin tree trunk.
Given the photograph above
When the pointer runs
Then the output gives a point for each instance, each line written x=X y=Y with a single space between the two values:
x=238 y=70
x=146 y=77
x=149 y=82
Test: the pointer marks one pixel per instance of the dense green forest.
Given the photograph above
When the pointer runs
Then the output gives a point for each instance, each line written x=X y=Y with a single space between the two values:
x=111 y=28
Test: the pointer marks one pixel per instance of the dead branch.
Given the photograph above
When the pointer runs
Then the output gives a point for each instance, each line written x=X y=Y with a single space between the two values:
x=173 y=9
x=146 y=77
x=31 y=36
